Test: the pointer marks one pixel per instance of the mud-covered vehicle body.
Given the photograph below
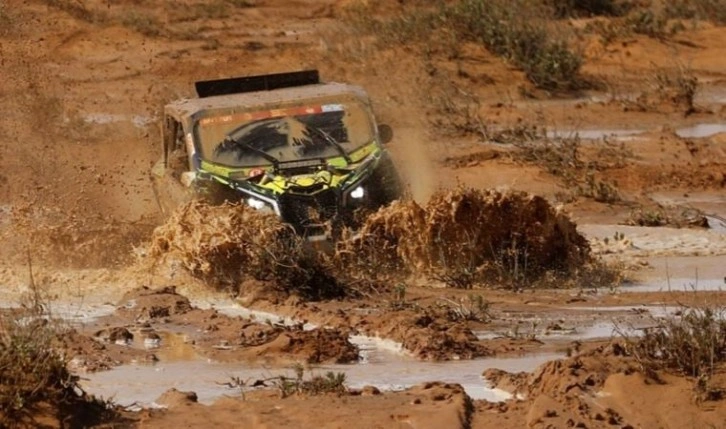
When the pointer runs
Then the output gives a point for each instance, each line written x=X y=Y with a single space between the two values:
x=308 y=151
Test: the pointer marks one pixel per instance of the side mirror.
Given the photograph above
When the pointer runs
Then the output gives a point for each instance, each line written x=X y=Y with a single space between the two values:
x=385 y=133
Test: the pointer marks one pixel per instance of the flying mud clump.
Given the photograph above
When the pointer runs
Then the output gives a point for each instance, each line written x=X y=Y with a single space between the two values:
x=467 y=236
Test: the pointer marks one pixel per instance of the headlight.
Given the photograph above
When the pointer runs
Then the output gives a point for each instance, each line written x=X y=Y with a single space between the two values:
x=358 y=193
x=258 y=204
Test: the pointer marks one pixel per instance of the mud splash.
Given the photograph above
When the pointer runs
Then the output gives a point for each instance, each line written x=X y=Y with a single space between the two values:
x=469 y=235
x=461 y=237
x=223 y=244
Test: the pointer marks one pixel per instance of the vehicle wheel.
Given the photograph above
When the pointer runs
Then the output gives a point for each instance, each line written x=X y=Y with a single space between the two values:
x=385 y=184
x=168 y=191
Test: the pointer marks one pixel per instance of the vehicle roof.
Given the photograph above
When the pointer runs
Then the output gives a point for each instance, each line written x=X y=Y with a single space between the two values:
x=264 y=99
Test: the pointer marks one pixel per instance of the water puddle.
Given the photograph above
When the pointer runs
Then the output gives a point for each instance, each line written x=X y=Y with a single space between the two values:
x=717 y=223
x=620 y=134
x=694 y=131
x=139 y=121
x=677 y=285
x=701 y=130
x=232 y=309
x=142 y=384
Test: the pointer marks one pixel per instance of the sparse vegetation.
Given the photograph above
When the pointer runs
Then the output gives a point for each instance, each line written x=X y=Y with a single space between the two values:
x=692 y=344
x=473 y=307
x=561 y=157
x=667 y=216
x=677 y=85
x=331 y=382
x=143 y=23
x=79 y=10
x=515 y=31
x=648 y=23
x=711 y=10
x=34 y=373
x=243 y=3
x=6 y=21
x=577 y=8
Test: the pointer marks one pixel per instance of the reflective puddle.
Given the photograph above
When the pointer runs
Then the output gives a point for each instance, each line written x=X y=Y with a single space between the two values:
x=701 y=130
x=142 y=384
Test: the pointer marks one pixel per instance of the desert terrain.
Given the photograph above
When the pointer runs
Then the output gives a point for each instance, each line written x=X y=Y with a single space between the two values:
x=593 y=132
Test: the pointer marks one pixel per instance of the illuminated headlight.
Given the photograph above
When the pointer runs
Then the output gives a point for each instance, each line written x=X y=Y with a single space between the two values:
x=358 y=193
x=256 y=204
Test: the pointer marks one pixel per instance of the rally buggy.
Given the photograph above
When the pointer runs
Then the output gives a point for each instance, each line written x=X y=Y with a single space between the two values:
x=310 y=152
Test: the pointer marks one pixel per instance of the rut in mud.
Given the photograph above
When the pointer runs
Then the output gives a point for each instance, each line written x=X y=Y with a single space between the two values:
x=462 y=237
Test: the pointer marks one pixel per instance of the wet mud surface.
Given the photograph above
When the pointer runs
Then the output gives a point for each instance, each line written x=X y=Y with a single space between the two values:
x=618 y=175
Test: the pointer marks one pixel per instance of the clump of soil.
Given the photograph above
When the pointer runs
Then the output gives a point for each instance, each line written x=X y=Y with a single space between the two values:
x=226 y=338
x=427 y=334
x=235 y=339
x=465 y=236
x=145 y=304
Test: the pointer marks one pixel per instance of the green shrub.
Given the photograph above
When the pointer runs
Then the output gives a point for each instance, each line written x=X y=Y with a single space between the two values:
x=144 y=24
x=547 y=59
x=712 y=10
x=517 y=31
x=692 y=344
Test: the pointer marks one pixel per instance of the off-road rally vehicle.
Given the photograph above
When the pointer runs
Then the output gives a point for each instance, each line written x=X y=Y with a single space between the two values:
x=308 y=151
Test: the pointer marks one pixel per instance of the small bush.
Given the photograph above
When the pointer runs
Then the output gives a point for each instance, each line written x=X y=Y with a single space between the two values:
x=711 y=10
x=692 y=344
x=141 y=23
x=547 y=59
x=78 y=10
x=667 y=215
x=317 y=385
x=677 y=85
x=516 y=31
x=578 y=8
x=648 y=23
x=471 y=308
x=33 y=374
x=243 y=3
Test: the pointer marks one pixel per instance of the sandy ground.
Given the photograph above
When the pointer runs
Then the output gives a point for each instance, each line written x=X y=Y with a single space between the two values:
x=83 y=84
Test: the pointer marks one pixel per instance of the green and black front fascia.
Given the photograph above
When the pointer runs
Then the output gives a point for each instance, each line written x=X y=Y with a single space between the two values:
x=309 y=193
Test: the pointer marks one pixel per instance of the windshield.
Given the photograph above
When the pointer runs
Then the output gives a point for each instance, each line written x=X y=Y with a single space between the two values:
x=289 y=134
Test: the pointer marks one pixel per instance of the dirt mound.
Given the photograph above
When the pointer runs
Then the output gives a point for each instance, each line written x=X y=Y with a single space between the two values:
x=603 y=388
x=145 y=304
x=469 y=235
x=222 y=337
x=427 y=334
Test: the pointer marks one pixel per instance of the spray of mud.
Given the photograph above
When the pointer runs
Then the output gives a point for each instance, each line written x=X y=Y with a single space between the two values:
x=224 y=244
x=461 y=236
x=467 y=236
x=414 y=161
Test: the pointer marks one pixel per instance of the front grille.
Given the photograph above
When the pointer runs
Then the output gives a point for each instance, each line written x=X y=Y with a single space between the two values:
x=309 y=213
